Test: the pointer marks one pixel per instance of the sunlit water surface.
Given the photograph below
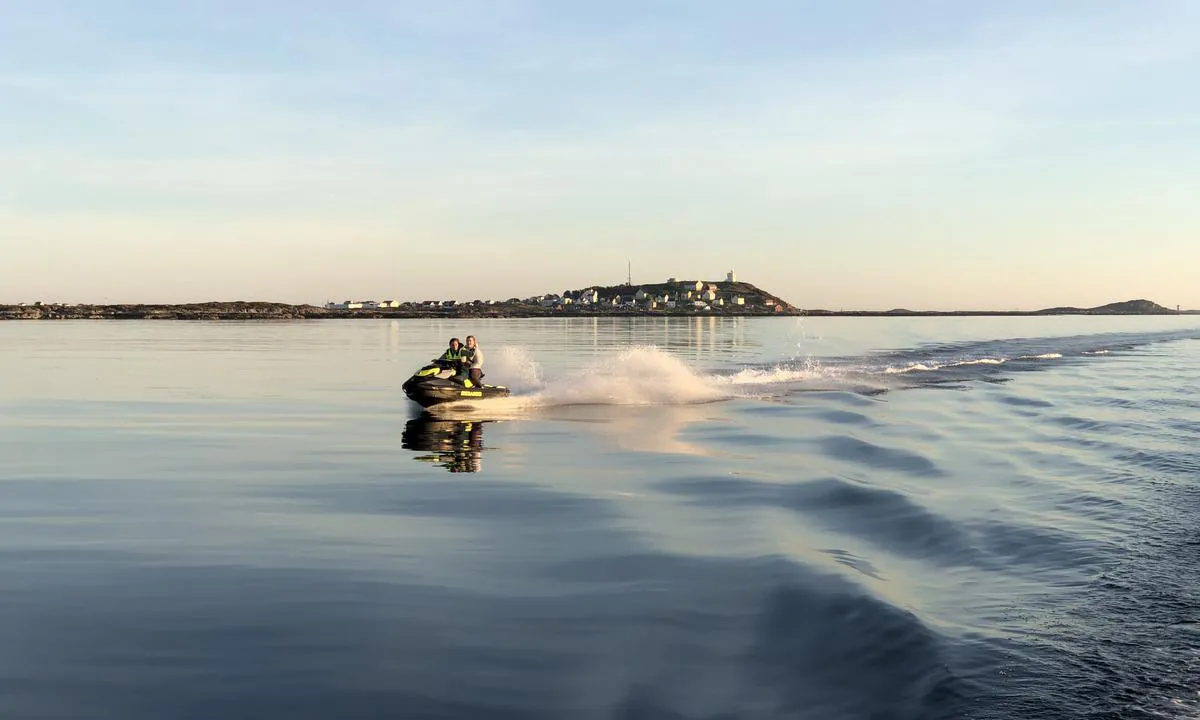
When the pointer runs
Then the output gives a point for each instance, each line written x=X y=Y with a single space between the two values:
x=690 y=518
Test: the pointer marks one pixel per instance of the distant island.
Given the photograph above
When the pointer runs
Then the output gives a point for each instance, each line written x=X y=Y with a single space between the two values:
x=672 y=297
x=1128 y=307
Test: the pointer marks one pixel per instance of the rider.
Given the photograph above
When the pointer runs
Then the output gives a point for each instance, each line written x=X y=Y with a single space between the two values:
x=454 y=353
x=453 y=357
x=472 y=357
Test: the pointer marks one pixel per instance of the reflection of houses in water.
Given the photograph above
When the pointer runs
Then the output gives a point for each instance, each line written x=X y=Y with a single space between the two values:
x=702 y=335
x=454 y=444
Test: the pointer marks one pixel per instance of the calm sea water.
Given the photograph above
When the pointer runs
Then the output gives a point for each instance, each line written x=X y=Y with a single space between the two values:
x=691 y=518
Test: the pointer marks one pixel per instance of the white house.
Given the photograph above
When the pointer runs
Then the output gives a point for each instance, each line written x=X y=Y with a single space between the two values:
x=708 y=295
x=389 y=304
x=640 y=294
x=739 y=300
x=698 y=286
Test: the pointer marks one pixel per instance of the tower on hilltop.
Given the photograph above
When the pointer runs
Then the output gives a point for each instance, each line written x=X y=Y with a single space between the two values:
x=730 y=277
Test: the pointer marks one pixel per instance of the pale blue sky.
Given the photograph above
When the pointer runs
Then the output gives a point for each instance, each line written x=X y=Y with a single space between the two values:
x=841 y=154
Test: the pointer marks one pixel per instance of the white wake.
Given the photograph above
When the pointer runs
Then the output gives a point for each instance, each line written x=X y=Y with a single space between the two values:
x=639 y=376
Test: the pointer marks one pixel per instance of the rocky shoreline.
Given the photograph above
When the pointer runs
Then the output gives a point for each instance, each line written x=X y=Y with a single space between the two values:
x=280 y=311
x=673 y=297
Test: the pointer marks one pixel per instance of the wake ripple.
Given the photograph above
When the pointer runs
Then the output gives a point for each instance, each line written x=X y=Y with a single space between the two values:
x=649 y=376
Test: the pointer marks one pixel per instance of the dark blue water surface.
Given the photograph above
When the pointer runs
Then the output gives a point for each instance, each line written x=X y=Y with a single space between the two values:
x=694 y=518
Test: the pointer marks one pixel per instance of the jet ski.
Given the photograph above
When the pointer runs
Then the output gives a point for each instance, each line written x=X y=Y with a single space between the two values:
x=438 y=382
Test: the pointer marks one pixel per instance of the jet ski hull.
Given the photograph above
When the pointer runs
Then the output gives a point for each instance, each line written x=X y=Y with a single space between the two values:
x=427 y=389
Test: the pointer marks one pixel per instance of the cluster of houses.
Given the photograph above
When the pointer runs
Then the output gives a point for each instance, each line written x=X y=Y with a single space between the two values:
x=698 y=295
x=387 y=304
x=689 y=295
x=397 y=305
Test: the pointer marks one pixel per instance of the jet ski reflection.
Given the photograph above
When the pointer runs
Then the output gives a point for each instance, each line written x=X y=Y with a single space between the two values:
x=453 y=444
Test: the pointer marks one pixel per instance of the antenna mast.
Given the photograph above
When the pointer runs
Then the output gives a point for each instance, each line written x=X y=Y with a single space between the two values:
x=628 y=272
